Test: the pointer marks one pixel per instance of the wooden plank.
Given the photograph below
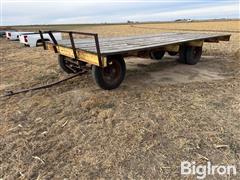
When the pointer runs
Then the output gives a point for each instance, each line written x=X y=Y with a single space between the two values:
x=125 y=41
x=113 y=43
x=114 y=51
x=157 y=45
x=116 y=39
x=143 y=38
x=136 y=45
x=127 y=44
x=146 y=42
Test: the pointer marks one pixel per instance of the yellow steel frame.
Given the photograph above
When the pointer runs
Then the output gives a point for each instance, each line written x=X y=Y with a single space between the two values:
x=85 y=56
x=92 y=58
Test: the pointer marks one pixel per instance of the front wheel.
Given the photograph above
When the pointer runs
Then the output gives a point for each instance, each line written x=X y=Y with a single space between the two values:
x=66 y=65
x=110 y=77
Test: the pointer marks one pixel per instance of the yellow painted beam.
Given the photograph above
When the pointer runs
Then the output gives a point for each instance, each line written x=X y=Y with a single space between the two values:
x=195 y=43
x=82 y=55
x=172 y=48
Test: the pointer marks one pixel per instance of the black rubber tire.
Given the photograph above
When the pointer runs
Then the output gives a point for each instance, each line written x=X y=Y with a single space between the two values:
x=172 y=53
x=156 y=55
x=182 y=54
x=62 y=63
x=193 y=55
x=102 y=76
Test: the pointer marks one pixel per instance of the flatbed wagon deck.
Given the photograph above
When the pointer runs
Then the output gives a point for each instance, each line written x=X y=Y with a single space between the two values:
x=110 y=46
x=106 y=54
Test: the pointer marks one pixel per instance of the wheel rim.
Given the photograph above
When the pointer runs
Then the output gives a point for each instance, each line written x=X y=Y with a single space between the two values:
x=111 y=73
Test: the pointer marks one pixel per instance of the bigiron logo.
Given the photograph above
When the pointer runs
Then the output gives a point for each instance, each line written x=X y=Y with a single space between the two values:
x=202 y=171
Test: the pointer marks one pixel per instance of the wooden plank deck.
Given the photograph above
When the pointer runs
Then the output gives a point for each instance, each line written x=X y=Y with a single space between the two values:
x=119 y=45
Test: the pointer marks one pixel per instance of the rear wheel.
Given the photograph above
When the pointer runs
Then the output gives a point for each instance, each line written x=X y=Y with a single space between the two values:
x=190 y=54
x=193 y=55
x=67 y=66
x=110 y=77
x=156 y=55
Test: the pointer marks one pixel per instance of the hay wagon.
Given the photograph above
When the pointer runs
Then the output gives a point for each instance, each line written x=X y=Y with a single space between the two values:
x=106 y=55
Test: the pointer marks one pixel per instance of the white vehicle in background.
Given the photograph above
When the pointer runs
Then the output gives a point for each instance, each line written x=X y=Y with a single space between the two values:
x=14 y=35
x=34 y=39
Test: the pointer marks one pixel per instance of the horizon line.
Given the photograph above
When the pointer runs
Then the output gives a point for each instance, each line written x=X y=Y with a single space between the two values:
x=181 y=20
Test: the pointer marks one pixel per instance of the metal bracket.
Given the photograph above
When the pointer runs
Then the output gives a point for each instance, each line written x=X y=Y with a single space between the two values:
x=54 y=41
x=42 y=39
x=98 y=50
x=73 y=45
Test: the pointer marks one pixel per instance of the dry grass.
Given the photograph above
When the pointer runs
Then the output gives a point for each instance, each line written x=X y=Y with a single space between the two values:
x=142 y=130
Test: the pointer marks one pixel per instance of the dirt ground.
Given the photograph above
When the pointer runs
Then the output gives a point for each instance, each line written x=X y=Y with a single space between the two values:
x=163 y=113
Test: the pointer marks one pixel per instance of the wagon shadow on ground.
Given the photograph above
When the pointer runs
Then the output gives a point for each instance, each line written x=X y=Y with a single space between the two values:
x=144 y=73
x=169 y=71
x=147 y=73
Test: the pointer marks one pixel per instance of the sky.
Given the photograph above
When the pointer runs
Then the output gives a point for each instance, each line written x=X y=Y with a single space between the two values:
x=25 y=12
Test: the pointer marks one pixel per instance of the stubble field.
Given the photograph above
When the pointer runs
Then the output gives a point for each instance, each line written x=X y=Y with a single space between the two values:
x=163 y=113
